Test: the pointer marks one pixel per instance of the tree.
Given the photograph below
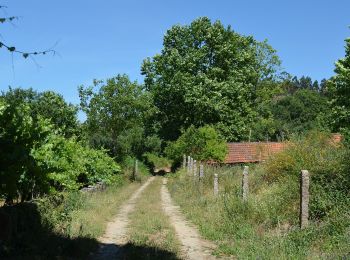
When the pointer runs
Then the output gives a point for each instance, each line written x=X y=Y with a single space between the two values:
x=19 y=134
x=339 y=90
x=36 y=159
x=48 y=105
x=297 y=113
x=116 y=115
x=203 y=144
x=207 y=74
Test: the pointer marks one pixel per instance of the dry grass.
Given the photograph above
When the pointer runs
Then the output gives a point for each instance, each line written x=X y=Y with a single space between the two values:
x=99 y=208
x=266 y=227
x=151 y=234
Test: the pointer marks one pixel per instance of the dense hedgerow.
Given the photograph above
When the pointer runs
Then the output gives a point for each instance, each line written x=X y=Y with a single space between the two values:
x=35 y=159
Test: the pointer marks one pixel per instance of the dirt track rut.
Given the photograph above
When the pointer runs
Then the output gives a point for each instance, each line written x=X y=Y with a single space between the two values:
x=116 y=232
x=193 y=246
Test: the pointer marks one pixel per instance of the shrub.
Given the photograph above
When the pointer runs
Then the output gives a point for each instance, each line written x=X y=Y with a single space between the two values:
x=157 y=162
x=34 y=159
x=328 y=165
x=202 y=143
x=70 y=165
x=128 y=166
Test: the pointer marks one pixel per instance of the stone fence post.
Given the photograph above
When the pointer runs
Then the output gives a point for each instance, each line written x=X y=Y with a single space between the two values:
x=245 y=184
x=216 y=185
x=194 y=168
x=201 y=171
x=188 y=163
x=304 y=198
x=184 y=162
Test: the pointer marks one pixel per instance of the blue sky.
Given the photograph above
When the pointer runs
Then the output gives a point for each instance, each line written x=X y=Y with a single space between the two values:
x=98 y=39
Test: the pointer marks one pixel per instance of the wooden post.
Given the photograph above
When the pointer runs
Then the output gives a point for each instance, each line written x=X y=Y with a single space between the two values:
x=201 y=171
x=184 y=162
x=245 y=185
x=216 y=184
x=304 y=198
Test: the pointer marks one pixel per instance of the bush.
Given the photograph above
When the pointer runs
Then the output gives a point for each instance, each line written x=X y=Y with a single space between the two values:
x=157 y=162
x=70 y=165
x=202 y=143
x=328 y=165
x=36 y=160
x=128 y=166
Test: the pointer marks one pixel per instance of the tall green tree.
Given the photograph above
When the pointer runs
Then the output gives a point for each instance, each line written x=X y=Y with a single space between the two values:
x=48 y=105
x=339 y=90
x=207 y=74
x=116 y=115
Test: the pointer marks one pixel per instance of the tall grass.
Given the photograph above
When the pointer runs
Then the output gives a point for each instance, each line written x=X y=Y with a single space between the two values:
x=267 y=226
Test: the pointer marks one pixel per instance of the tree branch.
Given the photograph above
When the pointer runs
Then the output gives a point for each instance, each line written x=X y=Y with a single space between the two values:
x=8 y=19
x=26 y=54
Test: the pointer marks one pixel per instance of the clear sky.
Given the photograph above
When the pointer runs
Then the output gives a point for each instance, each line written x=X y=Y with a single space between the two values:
x=98 y=39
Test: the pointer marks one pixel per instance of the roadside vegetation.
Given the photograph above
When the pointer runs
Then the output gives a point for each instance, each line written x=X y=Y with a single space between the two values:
x=267 y=226
x=208 y=85
x=63 y=225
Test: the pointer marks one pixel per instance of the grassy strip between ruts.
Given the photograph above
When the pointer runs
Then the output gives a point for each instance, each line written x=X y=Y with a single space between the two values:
x=151 y=235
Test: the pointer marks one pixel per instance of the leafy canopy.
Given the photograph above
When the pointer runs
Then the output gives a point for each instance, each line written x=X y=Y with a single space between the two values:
x=48 y=105
x=202 y=143
x=339 y=88
x=207 y=74
x=116 y=115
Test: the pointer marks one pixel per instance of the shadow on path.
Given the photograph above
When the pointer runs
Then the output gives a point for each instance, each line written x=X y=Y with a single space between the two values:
x=133 y=252
x=25 y=235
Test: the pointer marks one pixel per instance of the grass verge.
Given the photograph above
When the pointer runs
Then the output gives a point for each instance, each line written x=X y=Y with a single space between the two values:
x=266 y=227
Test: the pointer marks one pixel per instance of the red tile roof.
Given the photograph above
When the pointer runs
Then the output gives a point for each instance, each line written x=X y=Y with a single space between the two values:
x=259 y=151
x=252 y=152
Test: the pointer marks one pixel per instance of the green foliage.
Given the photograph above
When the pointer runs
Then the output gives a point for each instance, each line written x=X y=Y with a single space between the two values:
x=202 y=143
x=116 y=116
x=339 y=90
x=48 y=105
x=328 y=165
x=35 y=159
x=156 y=161
x=282 y=115
x=128 y=168
x=304 y=110
x=19 y=134
x=207 y=74
x=70 y=165
x=266 y=226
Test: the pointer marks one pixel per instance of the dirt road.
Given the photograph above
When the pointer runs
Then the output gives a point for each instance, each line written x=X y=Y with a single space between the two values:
x=116 y=232
x=193 y=246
